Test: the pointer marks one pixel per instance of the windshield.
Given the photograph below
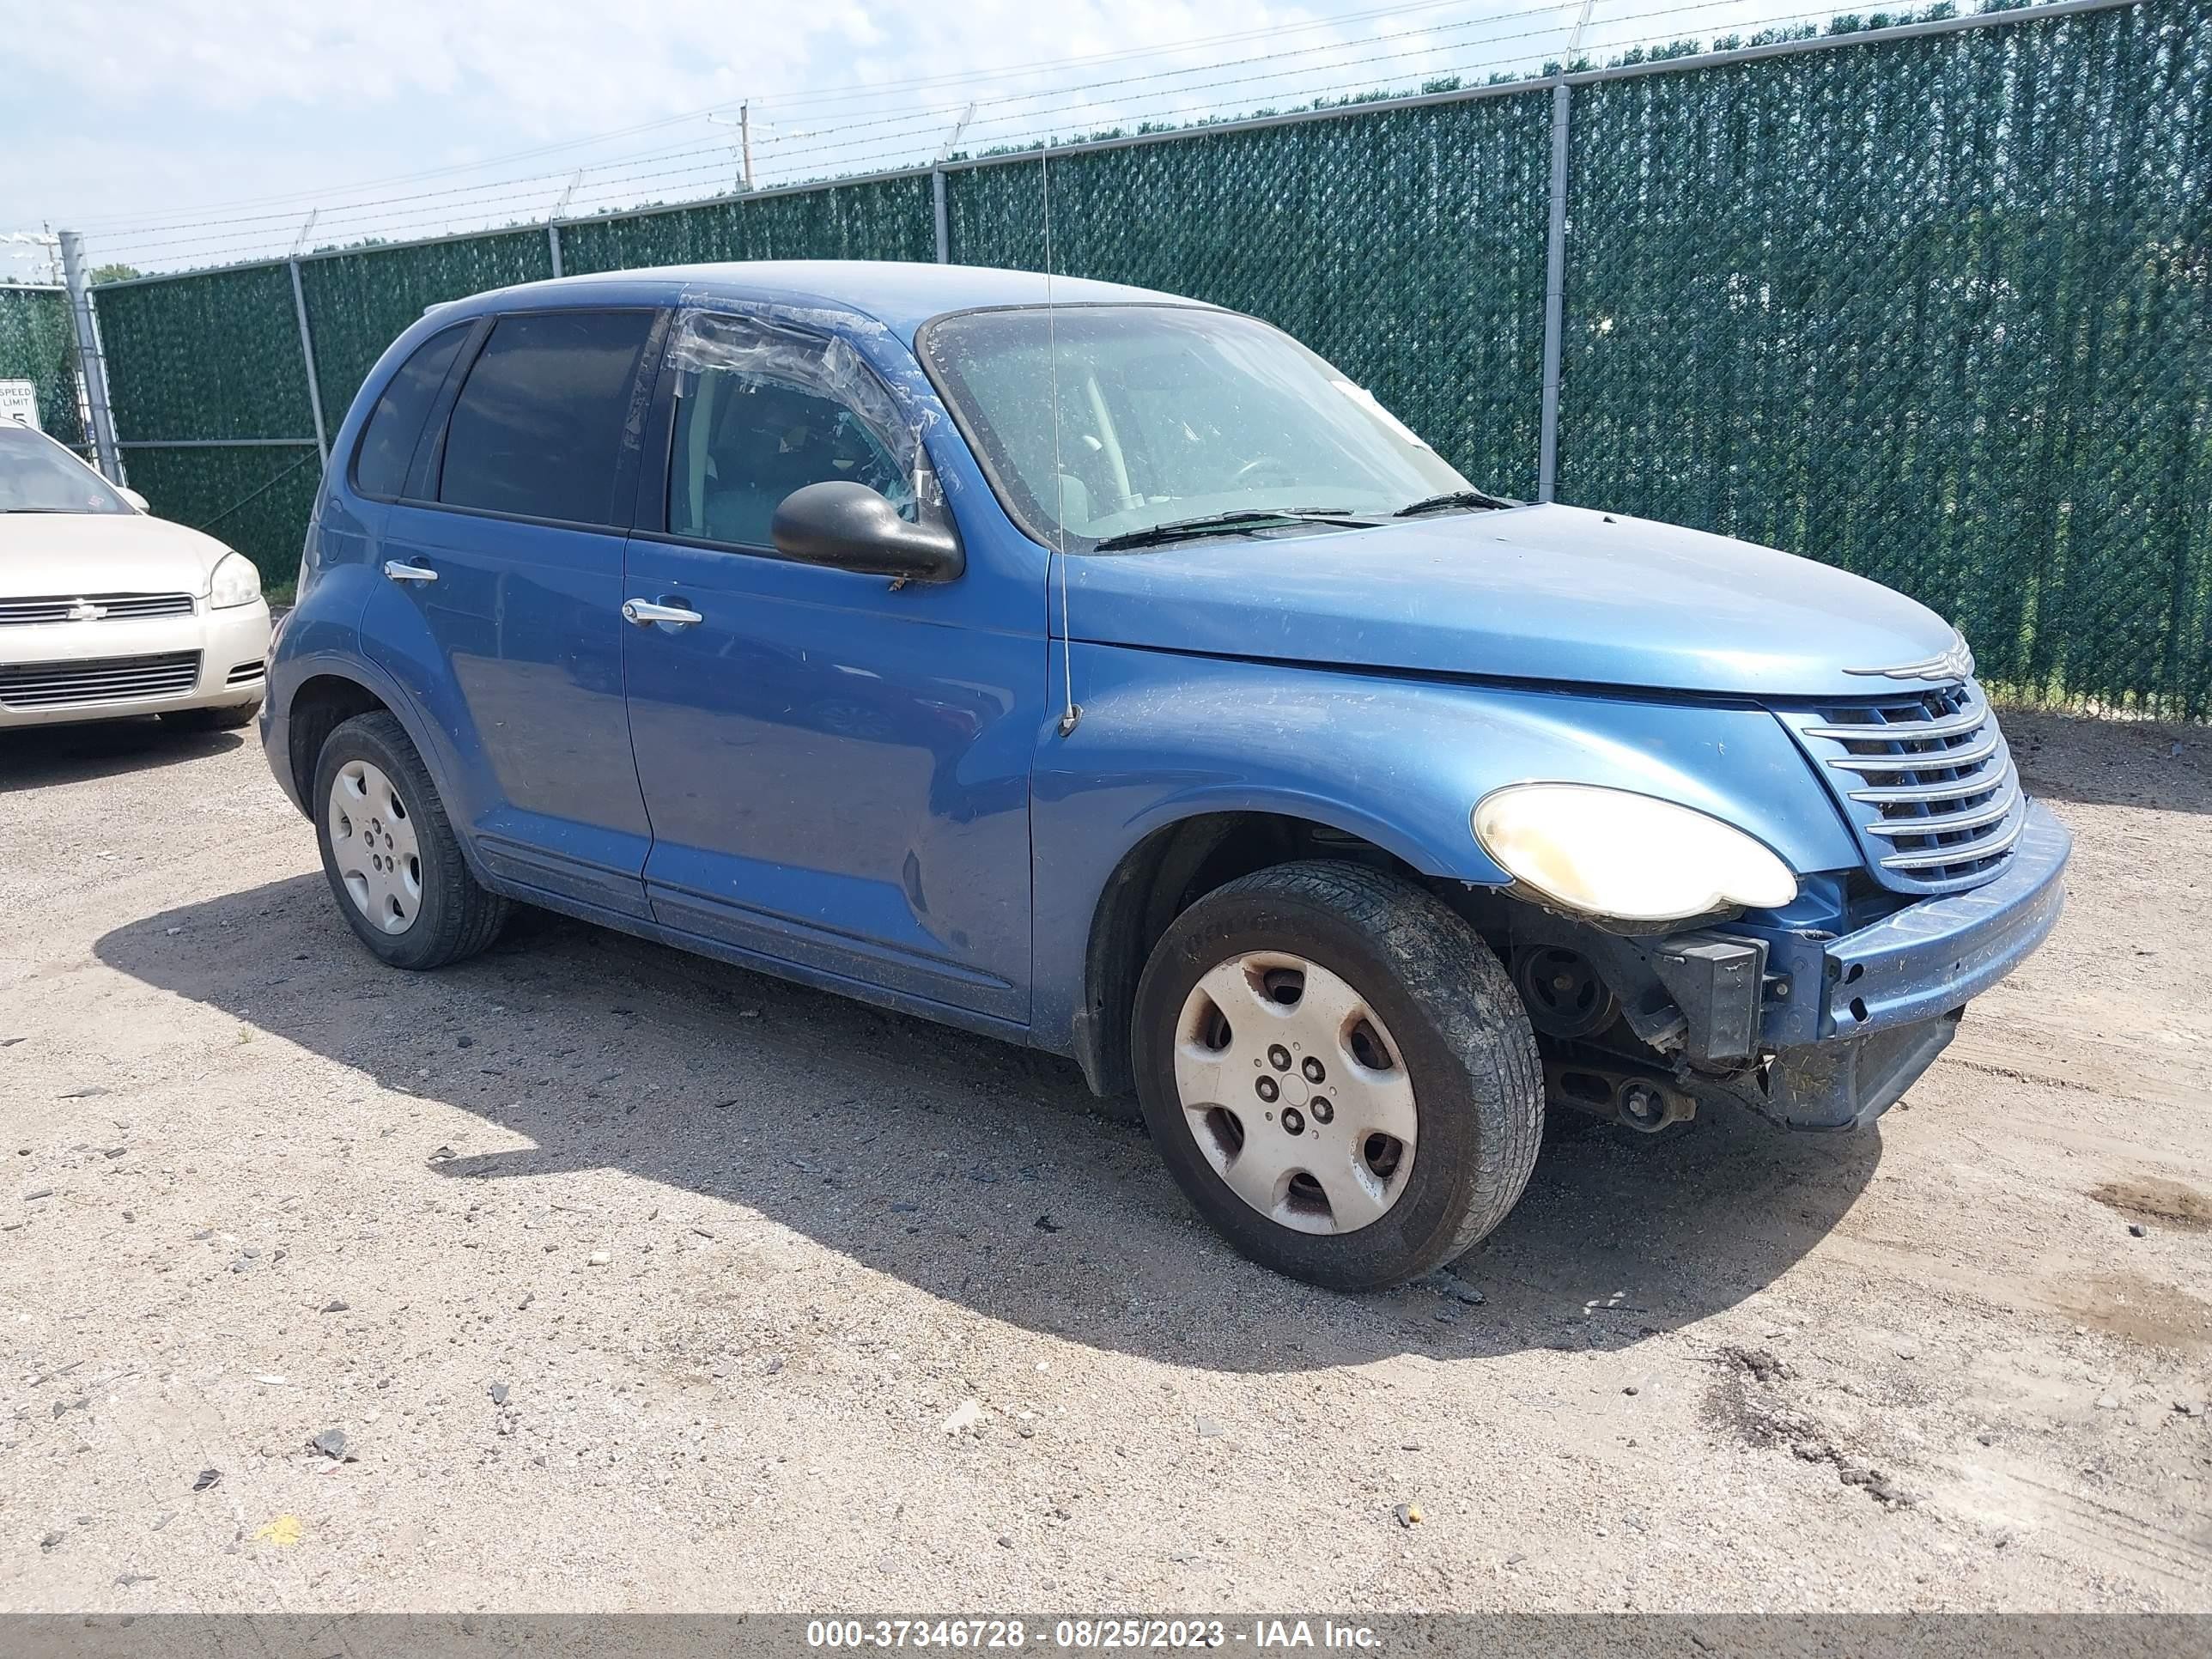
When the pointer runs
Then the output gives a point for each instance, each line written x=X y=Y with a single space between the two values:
x=37 y=475
x=1168 y=413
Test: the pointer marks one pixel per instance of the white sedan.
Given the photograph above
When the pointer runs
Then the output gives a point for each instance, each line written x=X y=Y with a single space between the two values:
x=106 y=611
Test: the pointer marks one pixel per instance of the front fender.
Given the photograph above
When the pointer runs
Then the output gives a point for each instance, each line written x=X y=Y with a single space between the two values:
x=1397 y=761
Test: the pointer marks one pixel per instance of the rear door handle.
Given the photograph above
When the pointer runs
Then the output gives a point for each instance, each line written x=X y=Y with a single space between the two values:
x=645 y=613
x=399 y=571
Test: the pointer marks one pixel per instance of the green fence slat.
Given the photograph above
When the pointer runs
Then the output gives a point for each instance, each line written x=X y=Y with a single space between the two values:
x=38 y=343
x=1407 y=247
x=1935 y=311
x=359 y=303
x=257 y=500
x=214 y=354
x=885 y=218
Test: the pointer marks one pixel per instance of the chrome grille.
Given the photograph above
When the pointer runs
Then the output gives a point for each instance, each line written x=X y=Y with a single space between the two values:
x=82 y=607
x=1926 y=780
x=105 y=680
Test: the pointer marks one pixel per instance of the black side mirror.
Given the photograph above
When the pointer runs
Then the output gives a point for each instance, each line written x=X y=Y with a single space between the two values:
x=845 y=524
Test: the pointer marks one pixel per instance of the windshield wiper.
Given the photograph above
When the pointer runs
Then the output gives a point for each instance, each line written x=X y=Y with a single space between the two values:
x=1453 y=498
x=38 y=509
x=1242 y=519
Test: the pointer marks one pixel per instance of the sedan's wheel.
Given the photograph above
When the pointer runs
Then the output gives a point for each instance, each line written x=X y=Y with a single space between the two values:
x=392 y=860
x=1338 y=1072
x=373 y=846
x=1294 y=1092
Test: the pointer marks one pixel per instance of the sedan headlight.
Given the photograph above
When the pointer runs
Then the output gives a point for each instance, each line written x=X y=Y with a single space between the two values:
x=1611 y=852
x=236 y=582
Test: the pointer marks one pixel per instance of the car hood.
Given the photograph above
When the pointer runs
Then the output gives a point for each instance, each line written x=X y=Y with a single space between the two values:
x=1555 y=594
x=46 y=555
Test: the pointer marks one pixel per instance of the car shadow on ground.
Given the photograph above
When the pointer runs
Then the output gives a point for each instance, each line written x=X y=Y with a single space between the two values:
x=977 y=1172
x=33 y=757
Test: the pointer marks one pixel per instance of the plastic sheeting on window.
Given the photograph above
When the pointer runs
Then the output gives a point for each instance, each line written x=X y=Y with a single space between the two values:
x=798 y=347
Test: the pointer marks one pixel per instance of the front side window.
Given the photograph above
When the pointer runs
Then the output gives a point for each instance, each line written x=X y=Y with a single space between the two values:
x=538 y=429
x=388 y=441
x=763 y=409
x=37 y=475
x=1103 y=421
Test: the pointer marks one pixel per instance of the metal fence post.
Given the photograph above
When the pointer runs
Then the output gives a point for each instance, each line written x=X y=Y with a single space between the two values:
x=944 y=224
x=307 y=357
x=553 y=241
x=1555 y=299
x=91 y=362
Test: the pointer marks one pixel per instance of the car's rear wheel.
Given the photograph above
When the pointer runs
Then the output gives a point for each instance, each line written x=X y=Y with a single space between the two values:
x=1338 y=1072
x=393 y=863
x=227 y=718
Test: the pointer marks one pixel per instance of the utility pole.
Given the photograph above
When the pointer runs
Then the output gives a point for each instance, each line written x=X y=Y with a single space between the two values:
x=745 y=126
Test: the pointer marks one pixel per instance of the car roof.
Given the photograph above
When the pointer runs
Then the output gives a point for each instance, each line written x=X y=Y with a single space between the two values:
x=900 y=294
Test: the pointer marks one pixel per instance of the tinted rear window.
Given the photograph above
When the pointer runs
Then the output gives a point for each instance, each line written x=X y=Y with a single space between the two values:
x=387 y=442
x=538 y=429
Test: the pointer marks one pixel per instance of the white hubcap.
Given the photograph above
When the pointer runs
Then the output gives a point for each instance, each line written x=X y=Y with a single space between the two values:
x=373 y=843
x=1296 y=1092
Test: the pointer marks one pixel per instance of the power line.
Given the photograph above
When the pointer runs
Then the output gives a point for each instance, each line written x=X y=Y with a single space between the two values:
x=850 y=90
x=909 y=121
x=882 y=136
x=905 y=123
x=1439 y=70
x=1266 y=32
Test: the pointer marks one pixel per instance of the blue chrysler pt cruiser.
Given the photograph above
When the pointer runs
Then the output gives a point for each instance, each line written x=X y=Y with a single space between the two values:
x=1107 y=672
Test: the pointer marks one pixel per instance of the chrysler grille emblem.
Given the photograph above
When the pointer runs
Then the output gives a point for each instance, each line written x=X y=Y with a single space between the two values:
x=86 y=610
x=1955 y=665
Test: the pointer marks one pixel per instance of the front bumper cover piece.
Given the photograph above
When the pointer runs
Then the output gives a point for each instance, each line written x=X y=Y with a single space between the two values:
x=1860 y=1016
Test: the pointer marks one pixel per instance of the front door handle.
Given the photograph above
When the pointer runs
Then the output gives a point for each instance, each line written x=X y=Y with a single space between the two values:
x=400 y=571
x=645 y=613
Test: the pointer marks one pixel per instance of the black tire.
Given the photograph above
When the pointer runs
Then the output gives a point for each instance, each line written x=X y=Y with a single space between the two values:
x=228 y=718
x=457 y=917
x=1464 y=1039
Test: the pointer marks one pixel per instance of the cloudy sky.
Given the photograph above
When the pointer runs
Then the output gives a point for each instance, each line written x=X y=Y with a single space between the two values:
x=198 y=131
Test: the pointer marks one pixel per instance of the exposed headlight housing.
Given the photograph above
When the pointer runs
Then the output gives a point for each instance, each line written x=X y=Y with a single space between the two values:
x=236 y=582
x=1615 y=853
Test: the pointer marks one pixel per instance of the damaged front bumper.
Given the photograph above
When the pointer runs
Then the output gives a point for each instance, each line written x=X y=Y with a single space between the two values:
x=1848 y=1022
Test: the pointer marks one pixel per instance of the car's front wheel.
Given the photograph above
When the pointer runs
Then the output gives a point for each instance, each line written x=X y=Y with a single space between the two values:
x=1338 y=1072
x=390 y=853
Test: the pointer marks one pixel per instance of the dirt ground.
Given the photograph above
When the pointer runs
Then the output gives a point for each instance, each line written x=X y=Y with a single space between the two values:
x=634 y=1281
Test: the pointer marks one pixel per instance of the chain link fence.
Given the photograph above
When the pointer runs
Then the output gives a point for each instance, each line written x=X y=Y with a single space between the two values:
x=1935 y=311
x=1408 y=248
x=1932 y=303
x=38 y=343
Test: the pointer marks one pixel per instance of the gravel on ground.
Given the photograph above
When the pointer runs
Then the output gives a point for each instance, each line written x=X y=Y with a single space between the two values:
x=589 y=1275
